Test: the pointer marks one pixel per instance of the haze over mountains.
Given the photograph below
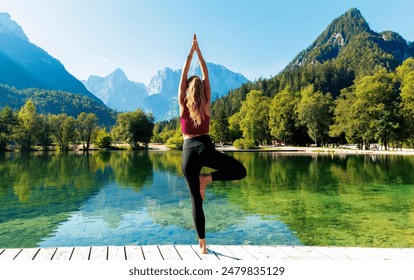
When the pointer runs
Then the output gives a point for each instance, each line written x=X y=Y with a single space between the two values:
x=345 y=50
x=160 y=96
x=24 y=65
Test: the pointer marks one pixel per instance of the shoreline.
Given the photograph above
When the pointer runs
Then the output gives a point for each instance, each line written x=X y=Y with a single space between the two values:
x=294 y=149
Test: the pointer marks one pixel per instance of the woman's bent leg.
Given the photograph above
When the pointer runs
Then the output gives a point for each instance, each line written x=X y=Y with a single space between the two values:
x=227 y=168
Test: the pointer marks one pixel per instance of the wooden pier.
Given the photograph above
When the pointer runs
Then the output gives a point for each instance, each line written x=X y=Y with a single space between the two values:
x=216 y=253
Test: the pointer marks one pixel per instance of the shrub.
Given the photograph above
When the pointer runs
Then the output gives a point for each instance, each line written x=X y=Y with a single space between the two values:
x=244 y=144
x=103 y=139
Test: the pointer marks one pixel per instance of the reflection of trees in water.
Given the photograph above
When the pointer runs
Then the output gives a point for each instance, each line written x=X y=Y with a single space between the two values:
x=329 y=200
x=39 y=190
x=352 y=200
x=167 y=161
x=132 y=169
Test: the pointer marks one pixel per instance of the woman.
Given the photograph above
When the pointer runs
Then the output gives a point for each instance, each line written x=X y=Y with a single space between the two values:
x=194 y=96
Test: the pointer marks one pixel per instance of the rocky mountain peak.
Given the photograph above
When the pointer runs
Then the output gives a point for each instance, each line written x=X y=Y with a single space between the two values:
x=334 y=38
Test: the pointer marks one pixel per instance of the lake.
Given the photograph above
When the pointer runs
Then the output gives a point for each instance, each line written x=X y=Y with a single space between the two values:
x=140 y=198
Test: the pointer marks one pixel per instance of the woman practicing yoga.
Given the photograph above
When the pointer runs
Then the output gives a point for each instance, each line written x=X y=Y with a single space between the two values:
x=194 y=96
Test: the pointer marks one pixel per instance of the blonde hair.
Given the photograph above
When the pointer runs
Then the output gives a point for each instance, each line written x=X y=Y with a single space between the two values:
x=196 y=100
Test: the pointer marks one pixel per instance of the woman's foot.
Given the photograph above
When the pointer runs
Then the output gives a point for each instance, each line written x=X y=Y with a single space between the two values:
x=204 y=180
x=203 y=246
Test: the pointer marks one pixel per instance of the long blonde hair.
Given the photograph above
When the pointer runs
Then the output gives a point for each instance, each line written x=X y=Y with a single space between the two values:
x=196 y=100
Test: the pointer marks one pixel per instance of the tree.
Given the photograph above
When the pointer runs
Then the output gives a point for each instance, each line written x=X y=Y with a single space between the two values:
x=405 y=74
x=219 y=129
x=69 y=131
x=282 y=116
x=344 y=121
x=8 y=121
x=314 y=112
x=63 y=130
x=103 y=138
x=134 y=127
x=370 y=110
x=86 y=124
x=377 y=100
x=26 y=131
x=254 y=117
x=44 y=133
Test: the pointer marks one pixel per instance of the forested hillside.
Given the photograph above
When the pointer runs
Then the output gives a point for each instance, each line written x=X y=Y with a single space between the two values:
x=349 y=63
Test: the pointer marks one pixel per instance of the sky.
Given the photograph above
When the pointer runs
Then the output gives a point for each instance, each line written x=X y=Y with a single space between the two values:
x=256 y=38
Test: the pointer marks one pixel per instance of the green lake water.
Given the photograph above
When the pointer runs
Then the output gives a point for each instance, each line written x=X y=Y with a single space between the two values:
x=137 y=198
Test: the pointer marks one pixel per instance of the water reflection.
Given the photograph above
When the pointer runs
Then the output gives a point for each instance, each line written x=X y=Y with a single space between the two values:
x=123 y=198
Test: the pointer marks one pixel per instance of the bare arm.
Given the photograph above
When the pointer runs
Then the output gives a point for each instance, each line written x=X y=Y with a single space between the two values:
x=204 y=71
x=183 y=81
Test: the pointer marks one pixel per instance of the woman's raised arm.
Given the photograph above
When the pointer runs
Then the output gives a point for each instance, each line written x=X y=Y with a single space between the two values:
x=204 y=70
x=183 y=81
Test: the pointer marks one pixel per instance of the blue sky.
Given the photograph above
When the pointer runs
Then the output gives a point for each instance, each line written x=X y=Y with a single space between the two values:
x=257 y=38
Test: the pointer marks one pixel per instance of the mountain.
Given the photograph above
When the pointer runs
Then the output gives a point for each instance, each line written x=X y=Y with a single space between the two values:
x=350 y=40
x=117 y=91
x=160 y=96
x=25 y=65
x=56 y=102
x=346 y=50
x=27 y=71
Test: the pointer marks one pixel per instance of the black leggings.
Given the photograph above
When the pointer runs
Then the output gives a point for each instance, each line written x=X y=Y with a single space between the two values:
x=198 y=152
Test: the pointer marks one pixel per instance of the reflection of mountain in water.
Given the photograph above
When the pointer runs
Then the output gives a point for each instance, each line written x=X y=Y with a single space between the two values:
x=161 y=214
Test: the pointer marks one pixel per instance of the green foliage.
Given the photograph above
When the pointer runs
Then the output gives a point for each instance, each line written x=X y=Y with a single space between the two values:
x=405 y=75
x=103 y=139
x=26 y=132
x=244 y=144
x=134 y=127
x=253 y=118
x=370 y=111
x=86 y=125
x=163 y=130
x=314 y=112
x=176 y=141
x=219 y=129
x=8 y=122
x=283 y=119
x=56 y=102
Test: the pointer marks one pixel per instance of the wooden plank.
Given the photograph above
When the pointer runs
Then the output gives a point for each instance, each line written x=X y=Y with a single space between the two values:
x=186 y=252
x=313 y=253
x=357 y=253
x=332 y=253
x=99 y=253
x=27 y=254
x=169 y=252
x=275 y=253
x=152 y=253
x=216 y=252
x=294 y=253
x=45 y=254
x=222 y=252
x=134 y=253
x=403 y=254
x=258 y=252
x=63 y=253
x=116 y=253
x=10 y=254
x=204 y=257
x=81 y=253
x=240 y=253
